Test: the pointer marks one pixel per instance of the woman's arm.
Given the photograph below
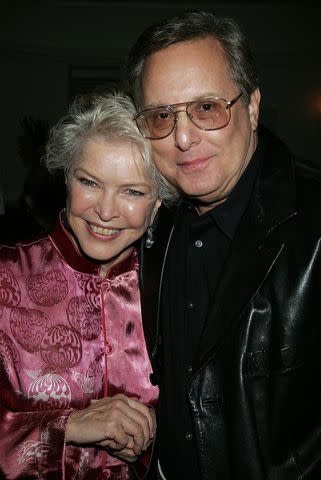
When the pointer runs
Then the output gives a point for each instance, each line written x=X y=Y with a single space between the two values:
x=34 y=443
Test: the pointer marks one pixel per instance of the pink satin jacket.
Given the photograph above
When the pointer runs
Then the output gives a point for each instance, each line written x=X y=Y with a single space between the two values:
x=66 y=337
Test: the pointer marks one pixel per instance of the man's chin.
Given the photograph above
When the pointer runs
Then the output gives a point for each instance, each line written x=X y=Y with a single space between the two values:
x=205 y=199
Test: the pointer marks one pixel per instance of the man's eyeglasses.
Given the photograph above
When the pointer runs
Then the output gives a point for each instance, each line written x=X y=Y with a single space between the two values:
x=207 y=114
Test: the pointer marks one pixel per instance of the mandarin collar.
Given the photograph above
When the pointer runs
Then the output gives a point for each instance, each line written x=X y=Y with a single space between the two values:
x=62 y=240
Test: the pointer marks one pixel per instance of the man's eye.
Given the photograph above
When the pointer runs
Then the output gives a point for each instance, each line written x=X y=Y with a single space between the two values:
x=161 y=115
x=207 y=107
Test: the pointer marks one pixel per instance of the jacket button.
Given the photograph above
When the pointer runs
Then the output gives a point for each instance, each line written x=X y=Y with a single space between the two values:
x=188 y=436
x=153 y=379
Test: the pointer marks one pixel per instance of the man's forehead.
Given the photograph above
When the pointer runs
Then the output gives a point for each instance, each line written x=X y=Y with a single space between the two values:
x=184 y=72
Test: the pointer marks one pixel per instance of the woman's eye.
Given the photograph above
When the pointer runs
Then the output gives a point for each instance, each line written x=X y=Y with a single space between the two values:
x=134 y=193
x=87 y=182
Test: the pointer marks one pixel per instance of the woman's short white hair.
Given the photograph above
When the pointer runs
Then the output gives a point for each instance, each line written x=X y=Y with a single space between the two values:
x=108 y=116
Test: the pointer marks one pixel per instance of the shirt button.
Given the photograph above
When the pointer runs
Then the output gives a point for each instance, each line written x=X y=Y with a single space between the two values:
x=190 y=369
x=198 y=243
x=188 y=436
x=190 y=305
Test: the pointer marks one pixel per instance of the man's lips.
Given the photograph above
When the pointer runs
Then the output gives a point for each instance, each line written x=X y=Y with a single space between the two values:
x=193 y=165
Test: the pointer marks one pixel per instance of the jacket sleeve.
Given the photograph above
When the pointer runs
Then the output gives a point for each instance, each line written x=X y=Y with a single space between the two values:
x=32 y=441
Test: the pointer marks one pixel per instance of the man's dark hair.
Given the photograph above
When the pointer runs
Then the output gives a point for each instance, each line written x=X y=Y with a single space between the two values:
x=193 y=25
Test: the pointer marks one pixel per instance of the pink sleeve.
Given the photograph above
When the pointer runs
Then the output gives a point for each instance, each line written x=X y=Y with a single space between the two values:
x=32 y=443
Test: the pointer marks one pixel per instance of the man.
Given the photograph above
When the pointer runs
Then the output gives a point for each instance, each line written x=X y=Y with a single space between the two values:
x=236 y=290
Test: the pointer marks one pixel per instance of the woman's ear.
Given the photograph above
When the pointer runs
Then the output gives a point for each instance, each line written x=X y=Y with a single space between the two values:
x=155 y=209
x=149 y=239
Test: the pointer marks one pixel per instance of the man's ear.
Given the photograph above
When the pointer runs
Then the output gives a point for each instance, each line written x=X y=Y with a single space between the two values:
x=254 y=108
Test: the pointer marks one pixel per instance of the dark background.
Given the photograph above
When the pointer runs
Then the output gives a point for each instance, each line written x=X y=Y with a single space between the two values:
x=52 y=50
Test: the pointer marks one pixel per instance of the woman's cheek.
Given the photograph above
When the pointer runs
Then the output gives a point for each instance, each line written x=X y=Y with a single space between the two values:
x=139 y=214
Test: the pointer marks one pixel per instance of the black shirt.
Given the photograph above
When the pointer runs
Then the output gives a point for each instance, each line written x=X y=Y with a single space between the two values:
x=196 y=257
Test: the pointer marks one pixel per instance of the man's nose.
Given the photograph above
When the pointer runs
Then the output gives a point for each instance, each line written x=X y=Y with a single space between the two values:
x=186 y=133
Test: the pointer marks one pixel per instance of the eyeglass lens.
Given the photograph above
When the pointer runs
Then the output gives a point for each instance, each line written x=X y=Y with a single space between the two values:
x=205 y=114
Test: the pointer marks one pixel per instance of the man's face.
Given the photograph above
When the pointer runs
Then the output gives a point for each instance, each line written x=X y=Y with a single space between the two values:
x=205 y=165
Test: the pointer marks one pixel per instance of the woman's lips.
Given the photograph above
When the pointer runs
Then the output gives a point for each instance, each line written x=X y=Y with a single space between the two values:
x=101 y=231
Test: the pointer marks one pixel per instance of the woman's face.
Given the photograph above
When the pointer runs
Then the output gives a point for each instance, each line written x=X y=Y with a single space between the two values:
x=111 y=200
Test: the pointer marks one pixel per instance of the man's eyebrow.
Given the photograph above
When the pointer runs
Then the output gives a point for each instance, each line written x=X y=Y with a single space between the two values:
x=206 y=95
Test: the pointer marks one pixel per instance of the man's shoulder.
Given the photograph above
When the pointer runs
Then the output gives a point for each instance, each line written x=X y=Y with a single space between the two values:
x=308 y=184
x=308 y=172
x=283 y=167
x=308 y=200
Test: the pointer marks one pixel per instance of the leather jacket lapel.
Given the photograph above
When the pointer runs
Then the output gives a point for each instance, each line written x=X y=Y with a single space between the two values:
x=152 y=263
x=255 y=247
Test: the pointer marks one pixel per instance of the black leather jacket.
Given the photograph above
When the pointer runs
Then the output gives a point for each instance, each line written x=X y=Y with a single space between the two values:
x=256 y=391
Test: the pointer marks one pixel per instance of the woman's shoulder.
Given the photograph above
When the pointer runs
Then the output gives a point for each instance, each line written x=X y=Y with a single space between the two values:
x=25 y=252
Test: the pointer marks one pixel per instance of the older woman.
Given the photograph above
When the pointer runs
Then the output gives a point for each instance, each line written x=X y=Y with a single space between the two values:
x=75 y=396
